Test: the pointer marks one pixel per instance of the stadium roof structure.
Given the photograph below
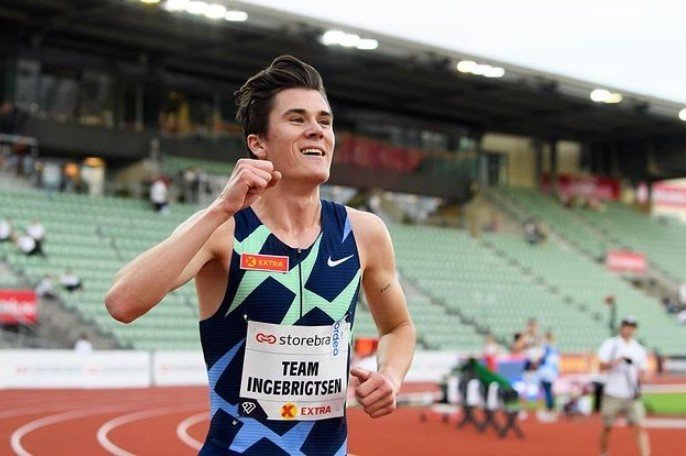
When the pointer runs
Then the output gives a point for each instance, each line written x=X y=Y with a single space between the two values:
x=399 y=77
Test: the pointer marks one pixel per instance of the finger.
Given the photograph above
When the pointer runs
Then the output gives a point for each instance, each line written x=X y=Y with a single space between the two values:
x=361 y=374
x=380 y=405
x=370 y=398
x=375 y=382
x=264 y=165
x=255 y=184
x=276 y=177
x=382 y=412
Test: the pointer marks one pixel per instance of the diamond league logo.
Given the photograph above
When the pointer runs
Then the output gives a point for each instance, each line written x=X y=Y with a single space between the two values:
x=248 y=407
x=265 y=338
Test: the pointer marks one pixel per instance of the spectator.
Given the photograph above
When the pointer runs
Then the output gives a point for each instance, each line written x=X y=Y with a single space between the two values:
x=83 y=345
x=158 y=195
x=37 y=231
x=548 y=371
x=518 y=344
x=625 y=362
x=45 y=288
x=681 y=317
x=28 y=245
x=531 y=232
x=5 y=229
x=12 y=119
x=70 y=281
x=491 y=352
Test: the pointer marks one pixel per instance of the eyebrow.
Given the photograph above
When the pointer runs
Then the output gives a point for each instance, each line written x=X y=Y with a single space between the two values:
x=303 y=112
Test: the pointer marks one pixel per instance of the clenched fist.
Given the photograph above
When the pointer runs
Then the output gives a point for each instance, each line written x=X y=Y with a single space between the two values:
x=374 y=391
x=250 y=179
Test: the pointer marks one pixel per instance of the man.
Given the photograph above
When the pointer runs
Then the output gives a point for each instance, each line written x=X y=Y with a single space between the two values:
x=548 y=371
x=158 y=195
x=37 y=231
x=5 y=230
x=277 y=272
x=70 y=281
x=625 y=361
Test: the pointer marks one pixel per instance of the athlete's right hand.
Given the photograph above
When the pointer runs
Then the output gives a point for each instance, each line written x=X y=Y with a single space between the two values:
x=249 y=180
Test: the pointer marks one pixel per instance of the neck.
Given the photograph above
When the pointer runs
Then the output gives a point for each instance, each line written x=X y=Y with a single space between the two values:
x=626 y=339
x=292 y=212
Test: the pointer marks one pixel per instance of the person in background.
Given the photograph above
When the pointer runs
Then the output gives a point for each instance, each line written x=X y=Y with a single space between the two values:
x=491 y=352
x=27 y=245
x=37 y=231
x=5 y=229
x=548 y=371
x=625 y=362
x=45 y=288
x=518 y=345
x=159 y=195
x=71 y=281
x=83 y=345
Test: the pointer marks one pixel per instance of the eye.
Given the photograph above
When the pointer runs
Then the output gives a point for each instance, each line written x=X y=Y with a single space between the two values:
x=296 y=120
x=325 y=122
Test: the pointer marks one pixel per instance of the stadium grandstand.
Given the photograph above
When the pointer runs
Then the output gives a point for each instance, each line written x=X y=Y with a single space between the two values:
x=512 y=198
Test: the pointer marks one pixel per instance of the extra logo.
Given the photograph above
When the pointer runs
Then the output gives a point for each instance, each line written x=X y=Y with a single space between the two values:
x=269 y=263
x=248 y=407
x=265 y=338
x=289 y=411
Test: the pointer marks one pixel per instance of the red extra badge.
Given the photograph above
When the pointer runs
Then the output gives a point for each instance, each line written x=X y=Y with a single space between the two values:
x=270 y=263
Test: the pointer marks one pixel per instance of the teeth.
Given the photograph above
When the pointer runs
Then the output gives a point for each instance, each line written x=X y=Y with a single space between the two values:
x=312 y=151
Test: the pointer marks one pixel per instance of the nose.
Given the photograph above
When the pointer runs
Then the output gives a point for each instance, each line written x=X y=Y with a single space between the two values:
x=314 y=130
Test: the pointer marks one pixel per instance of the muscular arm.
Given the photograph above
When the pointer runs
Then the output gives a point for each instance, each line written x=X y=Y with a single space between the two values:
x=387 y=305
x=141 y=284
x=144 y=282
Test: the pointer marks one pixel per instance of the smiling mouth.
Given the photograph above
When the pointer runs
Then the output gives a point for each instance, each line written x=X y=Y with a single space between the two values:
x=313 y=152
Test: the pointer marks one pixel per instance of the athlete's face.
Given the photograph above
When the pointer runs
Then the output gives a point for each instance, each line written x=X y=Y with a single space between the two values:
x=300 y=139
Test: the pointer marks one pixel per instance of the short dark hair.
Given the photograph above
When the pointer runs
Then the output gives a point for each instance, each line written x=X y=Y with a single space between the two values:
x=254 y=99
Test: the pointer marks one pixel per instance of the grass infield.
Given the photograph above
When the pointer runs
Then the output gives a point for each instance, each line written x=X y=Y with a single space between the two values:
x=665 y=403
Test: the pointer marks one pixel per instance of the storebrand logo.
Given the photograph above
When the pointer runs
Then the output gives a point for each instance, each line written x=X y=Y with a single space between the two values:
x=266 y=338
x=248 y=407
x=289 y=411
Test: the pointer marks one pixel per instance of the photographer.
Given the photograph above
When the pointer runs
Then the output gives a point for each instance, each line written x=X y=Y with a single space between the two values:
x=624 y=361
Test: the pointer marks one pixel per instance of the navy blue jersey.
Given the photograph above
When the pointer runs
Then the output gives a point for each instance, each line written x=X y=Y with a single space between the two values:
x=319 y=287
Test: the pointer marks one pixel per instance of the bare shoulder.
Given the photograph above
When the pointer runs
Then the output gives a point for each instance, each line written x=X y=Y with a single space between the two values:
x=367 y=227
x=373 y=240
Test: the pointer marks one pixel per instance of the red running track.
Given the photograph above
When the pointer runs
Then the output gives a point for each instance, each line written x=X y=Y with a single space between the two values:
x=173 y=421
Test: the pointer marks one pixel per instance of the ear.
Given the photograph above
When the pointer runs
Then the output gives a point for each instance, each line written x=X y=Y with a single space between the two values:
x=256 y=146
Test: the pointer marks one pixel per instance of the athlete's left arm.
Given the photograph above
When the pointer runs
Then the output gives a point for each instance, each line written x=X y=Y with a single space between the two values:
x=378 y=390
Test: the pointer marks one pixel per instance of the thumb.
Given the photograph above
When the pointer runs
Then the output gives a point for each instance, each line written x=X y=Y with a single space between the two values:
x=361 y=374
x=276 y=177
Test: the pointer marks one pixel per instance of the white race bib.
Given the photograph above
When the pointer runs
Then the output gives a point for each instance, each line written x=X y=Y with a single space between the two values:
x=294 y=372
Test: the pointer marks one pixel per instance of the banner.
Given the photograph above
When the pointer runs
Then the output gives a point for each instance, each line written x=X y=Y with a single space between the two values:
x=68 y=369
x=626 y=261
x=601 y=188
x=18 y=306
x=665 y=193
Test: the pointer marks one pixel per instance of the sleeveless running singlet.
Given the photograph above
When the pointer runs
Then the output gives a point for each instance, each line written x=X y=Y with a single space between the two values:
x=270 y=282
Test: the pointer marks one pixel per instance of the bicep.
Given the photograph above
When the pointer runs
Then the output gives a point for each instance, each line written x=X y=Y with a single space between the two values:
x=381 y=285
x=192 y=269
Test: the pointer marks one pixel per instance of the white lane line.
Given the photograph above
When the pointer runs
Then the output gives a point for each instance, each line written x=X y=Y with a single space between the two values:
x=31 y=426
x=182 y=429
x=48 y=407
x=664 y=423
x=114 y=423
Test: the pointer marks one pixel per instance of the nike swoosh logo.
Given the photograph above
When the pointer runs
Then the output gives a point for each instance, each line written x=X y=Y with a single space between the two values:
x=333 y=264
